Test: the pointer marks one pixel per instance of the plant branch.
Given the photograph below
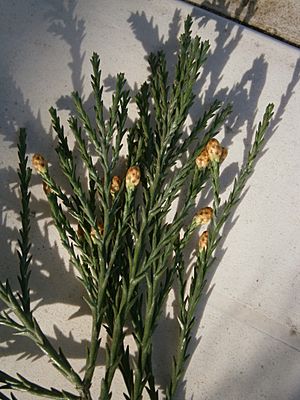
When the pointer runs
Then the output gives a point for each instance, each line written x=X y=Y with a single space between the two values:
x=23 y=384
x=189 y=302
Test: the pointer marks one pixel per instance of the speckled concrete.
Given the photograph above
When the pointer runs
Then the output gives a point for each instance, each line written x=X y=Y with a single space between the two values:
x=280 y=18
x=247 y=344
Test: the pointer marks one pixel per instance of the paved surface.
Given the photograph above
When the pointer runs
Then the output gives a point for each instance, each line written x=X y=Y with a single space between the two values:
x=280 y=18
x=248 y=345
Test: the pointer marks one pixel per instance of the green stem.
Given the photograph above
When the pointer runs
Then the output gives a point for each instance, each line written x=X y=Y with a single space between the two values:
x=93 y=351
x=215 y=177
x=144 y=348
x=24 y=243
x=186 y=323
x=23 y=384
x=115 y=353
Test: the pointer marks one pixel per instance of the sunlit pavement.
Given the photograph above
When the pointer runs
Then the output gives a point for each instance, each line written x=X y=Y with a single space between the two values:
x=247 y=340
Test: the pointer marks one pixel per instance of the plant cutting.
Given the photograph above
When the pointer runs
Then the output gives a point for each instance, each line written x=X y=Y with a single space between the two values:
x=127 y=247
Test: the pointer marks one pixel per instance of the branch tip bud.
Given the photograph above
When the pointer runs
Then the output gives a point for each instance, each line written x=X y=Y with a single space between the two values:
x=115 y=185
x=133 y=177
x=214 y=150
x=47 y=189
x=203 y=216
x=203 y=241
x=202 y=160
x=39 y=163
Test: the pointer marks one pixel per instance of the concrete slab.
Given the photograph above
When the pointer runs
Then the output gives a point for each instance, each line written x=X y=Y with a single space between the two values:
x=279 y=18
x=247 y=342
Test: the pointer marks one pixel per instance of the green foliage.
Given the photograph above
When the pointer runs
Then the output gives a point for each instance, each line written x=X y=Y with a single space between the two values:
x=127 y=250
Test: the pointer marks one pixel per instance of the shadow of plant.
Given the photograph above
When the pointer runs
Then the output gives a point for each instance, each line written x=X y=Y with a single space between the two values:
x=243 y=11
